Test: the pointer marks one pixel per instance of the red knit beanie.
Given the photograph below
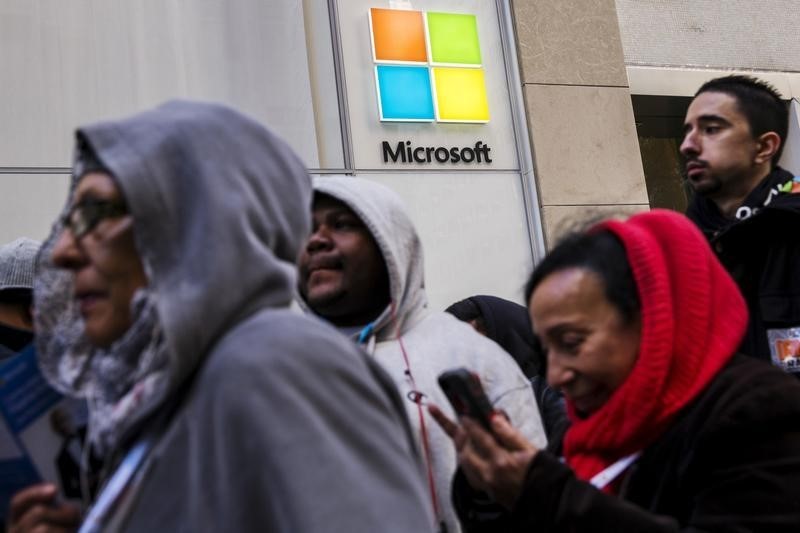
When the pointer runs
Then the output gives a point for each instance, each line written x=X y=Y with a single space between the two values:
x=693 y=319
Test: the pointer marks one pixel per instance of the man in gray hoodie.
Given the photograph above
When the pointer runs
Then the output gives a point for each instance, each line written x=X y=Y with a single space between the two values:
x=362 y=270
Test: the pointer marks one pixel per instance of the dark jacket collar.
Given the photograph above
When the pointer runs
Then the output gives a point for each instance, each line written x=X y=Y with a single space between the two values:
x=705 y=213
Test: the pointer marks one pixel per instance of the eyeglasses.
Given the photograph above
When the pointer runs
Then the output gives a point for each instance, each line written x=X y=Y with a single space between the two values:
x=86 y=214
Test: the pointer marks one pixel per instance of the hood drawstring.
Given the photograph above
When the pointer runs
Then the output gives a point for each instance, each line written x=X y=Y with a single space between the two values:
x=367 y=336
x=417 y=396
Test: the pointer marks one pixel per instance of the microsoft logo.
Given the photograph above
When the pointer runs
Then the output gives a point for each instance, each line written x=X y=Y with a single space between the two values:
x=427 y=66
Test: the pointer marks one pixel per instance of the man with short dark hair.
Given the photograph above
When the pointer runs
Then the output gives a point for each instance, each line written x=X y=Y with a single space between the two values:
x=17 y=261
x=362 y=270
x=748 y=207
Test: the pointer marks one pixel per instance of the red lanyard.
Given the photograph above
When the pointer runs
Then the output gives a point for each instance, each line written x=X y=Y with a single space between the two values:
x=415 y=395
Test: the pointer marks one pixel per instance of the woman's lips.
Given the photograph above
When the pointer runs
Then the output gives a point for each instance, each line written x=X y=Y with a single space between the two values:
x=88 y=301
x=587 y=403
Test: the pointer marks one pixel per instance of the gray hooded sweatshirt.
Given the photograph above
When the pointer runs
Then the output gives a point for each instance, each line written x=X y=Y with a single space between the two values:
x=279 y=424
x=430 y=342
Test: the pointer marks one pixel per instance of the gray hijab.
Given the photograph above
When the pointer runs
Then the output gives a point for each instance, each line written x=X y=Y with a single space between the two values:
x=220 y=208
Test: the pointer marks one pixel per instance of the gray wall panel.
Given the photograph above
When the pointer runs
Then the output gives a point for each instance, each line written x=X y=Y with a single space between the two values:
x=68 y=63
x=30 y=204
x=745 y=34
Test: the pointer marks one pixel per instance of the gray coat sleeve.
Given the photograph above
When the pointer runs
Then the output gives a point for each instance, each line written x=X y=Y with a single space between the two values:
x=286 y=433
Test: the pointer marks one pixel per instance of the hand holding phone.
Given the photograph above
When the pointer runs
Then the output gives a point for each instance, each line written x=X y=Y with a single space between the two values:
x=464 y=391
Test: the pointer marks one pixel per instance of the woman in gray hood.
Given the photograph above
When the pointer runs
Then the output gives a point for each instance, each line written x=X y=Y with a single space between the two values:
x=162 y=297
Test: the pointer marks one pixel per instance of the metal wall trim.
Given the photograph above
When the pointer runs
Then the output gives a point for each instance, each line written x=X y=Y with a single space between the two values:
x=341 y=86
x=533 y=212
x=35 y=170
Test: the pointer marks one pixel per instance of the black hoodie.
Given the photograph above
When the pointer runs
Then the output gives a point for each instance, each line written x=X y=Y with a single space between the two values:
x=508 y=324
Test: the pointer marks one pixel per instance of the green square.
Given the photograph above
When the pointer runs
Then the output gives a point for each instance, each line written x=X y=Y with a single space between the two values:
x=453 y=38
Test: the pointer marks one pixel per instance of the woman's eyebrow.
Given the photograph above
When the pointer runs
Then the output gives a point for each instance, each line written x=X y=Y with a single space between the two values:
x=570 y=325
x=91 y=195
x=555 y=329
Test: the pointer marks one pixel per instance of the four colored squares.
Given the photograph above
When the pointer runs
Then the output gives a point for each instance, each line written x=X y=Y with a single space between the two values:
x=428 y=66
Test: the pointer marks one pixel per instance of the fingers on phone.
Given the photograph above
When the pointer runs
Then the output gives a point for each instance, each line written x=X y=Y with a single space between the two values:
x=507 y=435
x=449 y=427
x=483 y=441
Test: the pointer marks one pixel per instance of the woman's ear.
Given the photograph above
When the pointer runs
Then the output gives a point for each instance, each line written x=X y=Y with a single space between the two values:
x=768 y=145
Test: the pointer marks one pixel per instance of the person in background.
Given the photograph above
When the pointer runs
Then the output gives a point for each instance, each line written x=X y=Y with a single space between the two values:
x=163 y=297
x=508 y=324
x=672 y=430
x=361 y=269
x=17 y=261
x=747 y=206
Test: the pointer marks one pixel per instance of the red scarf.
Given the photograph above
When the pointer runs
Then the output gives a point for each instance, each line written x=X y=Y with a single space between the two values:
x=693 y=318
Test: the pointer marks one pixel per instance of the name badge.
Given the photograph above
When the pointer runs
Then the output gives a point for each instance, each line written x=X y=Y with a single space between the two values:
x=784 y=346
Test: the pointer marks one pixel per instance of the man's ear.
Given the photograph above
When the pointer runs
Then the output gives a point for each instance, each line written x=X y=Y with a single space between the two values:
x=768 y=145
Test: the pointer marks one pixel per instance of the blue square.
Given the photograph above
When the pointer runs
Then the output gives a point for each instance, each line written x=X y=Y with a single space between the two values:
x=404 y=93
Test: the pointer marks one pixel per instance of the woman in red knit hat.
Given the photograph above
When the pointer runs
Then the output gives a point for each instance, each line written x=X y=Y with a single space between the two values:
x=671 y=429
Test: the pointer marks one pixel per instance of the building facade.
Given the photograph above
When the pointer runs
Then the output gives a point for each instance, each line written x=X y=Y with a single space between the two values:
x=526 y=116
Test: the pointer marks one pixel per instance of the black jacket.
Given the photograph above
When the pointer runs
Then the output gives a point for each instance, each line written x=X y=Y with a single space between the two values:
x=762 y=253
x=730 y=462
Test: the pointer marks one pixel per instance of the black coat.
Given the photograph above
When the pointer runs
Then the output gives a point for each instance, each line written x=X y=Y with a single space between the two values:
x=730 y=462
x=762 y=253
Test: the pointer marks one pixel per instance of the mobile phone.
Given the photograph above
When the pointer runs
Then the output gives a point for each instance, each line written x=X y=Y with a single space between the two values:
x=464 y=391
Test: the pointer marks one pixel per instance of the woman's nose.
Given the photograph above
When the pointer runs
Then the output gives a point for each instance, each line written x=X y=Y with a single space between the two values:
x=66 y=252
x=558 y=375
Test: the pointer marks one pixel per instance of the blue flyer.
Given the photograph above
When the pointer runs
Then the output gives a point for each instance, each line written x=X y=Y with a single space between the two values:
x=37 y=428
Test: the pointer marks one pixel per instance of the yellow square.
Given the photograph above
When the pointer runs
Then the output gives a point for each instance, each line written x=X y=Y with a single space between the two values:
x=460 y=95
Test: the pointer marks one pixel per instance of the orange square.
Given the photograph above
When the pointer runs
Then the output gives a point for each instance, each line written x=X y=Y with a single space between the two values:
x=398 y=35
